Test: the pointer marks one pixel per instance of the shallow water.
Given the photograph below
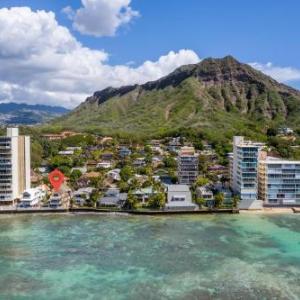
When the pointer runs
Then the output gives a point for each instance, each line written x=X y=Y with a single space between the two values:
x=177 y=257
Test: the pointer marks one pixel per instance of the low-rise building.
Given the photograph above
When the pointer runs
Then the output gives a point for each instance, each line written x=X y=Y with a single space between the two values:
x=32 y=197
x=66 y=152
x=179 y=198
x=285 y=131
x=113 y=198
x=114 y=174
x=124 y=152
x=83 y=169
x=139 y=162
x=206 y=193
x=55 y=200
x=144 y=194
x=108 y=156
x=174 y=145
x=82 y=196
x=104 y=165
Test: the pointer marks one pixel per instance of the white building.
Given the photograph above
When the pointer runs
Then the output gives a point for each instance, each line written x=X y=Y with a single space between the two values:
x=32 y=197
x=279 y=181
x=187 y=166
x=180 y=198
x=104 y=165
x=14 y=165
x=55 y=200
x=244 y=171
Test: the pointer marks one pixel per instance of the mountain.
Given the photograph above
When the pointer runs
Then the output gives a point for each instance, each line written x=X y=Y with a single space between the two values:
x=221 y=96
x=24 y=114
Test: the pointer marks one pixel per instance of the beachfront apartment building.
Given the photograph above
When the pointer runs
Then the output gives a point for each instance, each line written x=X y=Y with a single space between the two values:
x=14 y=165
x=279 y=181
x=244 y=169
x=187 y=168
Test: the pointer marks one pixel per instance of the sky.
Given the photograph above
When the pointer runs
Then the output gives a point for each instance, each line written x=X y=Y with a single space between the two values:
x=58 y=52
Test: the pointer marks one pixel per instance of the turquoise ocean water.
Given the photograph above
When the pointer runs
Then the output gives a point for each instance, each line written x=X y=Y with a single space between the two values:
x=131 y=257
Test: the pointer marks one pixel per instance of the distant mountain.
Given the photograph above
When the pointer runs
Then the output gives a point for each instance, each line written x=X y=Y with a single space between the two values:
x=24 y=114
x=221 y=96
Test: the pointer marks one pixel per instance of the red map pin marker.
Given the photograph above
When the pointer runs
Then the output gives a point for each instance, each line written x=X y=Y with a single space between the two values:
x=56 y=179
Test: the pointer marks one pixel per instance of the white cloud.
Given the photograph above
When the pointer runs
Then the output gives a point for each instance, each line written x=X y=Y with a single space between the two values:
x=42 y=62
x=281 y=74
x=101 y=17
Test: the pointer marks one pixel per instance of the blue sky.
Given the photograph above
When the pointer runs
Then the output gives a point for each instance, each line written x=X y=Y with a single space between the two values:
x=254 y=31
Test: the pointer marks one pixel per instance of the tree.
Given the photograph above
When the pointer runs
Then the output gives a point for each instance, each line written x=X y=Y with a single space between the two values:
x=219 y=199
x=126 y=173
x=131 y=202
x=170 y=162
x=157 y=200
x=75 y=175
x=272 y=131
x=235 y=201
x=201 y=181
x=200 y=201
x=94 y=198
x=36 y=154
x=123 y=186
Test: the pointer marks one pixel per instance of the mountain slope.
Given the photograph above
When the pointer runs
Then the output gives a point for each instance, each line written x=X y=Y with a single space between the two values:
x=215 y=94
x=24 y=114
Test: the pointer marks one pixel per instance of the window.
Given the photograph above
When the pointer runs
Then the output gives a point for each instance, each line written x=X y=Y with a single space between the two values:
x=178 y=198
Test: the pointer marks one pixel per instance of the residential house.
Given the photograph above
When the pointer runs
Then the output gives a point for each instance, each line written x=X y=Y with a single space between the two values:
x=66 y=152
x=104 y=165
x=144 y=194
x=32 y=197
x=114 y=174
x=179 y=198
x=124 y=152
x=108 y=156
x=174 y=145
x=55 y=200
x=139 y=162
x=82 y=195
x=113 y=198
x=83 y=169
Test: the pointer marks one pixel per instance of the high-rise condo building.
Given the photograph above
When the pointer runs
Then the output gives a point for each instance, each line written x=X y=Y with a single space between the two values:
x=14 y=165
x=188 y=162
x=279 y=181
x=244 y=168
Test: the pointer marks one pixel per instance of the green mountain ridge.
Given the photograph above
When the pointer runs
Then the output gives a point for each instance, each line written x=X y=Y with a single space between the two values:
x=217 y=95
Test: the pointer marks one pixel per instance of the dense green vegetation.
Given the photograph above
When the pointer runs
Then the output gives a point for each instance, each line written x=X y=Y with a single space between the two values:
x=217 y=98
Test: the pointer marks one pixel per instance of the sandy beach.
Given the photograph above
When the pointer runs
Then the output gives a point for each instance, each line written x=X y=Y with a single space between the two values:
x=269 y=210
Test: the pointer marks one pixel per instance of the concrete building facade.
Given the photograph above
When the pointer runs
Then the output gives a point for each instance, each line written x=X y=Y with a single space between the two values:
x=279 y=181
x=14 y=165
x=188 y=162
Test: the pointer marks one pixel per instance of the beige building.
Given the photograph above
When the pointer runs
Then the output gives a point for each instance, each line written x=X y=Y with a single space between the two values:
x=14 y=165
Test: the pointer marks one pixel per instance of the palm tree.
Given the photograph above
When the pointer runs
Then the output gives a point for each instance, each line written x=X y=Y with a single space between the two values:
x=219 y=199
x=235 y=201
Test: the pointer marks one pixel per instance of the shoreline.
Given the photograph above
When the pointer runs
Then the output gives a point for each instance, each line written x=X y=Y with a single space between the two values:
x=270 y=211
x=266 y=211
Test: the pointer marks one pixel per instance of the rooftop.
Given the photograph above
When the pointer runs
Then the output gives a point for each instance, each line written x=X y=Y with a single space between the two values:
x=178 y=188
